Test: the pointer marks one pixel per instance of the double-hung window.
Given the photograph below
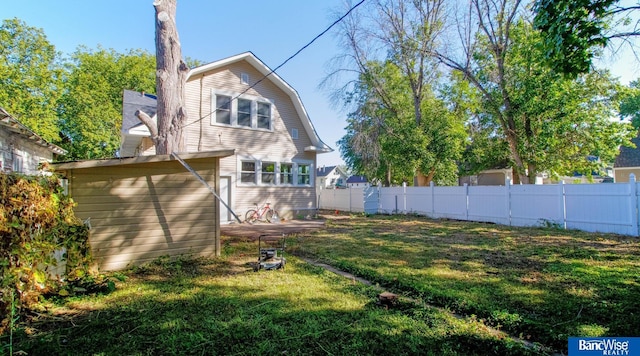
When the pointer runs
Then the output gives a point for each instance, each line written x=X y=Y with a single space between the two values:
x=304 y=174
x=245 y=111
x=286 y=173
x=223 y=109
x=268 y=173
x=248 y=172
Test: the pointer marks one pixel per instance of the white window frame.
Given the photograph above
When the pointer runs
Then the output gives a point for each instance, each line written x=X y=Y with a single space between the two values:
x=244 y=78
x=277 y=180
x=233 y=122
x=294 y=133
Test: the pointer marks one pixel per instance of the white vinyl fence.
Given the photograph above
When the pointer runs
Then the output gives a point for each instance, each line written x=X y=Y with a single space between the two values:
x=600 y=207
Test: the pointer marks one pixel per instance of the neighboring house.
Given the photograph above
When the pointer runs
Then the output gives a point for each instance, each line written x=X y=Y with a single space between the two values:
x=358 y=182
x=627 y=162
x=239 y=104
x=488 y=177
x=330 y=177
x=22 y=150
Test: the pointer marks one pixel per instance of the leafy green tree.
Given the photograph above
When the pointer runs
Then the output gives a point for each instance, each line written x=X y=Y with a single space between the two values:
x=390 y=48
x=630 y=103
x=574 y=31
x=29 y=77
x=548 y=123
x=384 y=141
x=91 y=107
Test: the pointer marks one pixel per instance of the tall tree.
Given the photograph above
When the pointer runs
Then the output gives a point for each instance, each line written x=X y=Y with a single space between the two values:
x=575 y=30
x=171 y=76
x=402 y=34
x=630 y=103
x=91 y=107
x=549 y=123
x=29 y=77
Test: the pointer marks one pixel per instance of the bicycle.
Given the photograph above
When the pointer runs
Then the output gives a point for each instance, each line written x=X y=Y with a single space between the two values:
x=265 y=213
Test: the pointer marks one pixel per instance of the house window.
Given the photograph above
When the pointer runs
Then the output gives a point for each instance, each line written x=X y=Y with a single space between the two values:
x=223 y=109
x=244 y=78
x=248 y=172
x=304 y=174
x=286 y=173
x=17 y=164
x=294 y=134
x=264 y=115
x=268 y=173
x=244 y=112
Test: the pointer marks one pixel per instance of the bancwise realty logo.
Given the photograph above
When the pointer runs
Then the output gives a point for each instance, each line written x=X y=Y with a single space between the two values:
x=619 y=346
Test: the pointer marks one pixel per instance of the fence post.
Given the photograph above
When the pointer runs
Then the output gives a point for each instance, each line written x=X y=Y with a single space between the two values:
x=433 y=199
x=404 y=197
x=507 y=185
x=633 y=202
x=563 y=204
x=466 y=199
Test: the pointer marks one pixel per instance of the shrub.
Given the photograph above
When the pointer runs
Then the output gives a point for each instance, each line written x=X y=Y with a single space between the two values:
x=36 y=223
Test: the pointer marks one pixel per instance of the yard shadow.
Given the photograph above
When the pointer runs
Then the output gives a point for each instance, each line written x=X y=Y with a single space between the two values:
x=189 y=312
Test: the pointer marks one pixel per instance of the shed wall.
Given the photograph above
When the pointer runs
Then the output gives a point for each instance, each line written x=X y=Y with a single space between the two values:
x=140 y=212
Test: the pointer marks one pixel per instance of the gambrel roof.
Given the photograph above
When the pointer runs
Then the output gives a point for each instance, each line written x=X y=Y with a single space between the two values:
x=250 y=58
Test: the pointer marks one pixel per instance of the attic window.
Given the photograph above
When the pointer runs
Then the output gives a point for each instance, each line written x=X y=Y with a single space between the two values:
x=244 y=78
x=294 y=134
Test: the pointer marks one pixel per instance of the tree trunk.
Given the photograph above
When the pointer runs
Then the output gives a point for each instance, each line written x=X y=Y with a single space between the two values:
x=171 y=76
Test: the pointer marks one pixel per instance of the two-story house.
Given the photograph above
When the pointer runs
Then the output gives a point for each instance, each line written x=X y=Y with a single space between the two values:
x=239 y=104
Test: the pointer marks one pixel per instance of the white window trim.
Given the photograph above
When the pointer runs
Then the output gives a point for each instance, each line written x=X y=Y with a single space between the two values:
x=277 y=181
x=234 y=110
x=244 y=78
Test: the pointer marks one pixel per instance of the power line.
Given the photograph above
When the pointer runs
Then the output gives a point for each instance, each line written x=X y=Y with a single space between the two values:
x=282 y=64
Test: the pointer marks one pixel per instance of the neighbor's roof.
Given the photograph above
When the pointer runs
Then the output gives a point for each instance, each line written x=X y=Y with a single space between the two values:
x=629 y=156
x=357 y=179
x=139 y=159
x=324 y=171
x=250 y=58
x=133 y=101
x=12 y=124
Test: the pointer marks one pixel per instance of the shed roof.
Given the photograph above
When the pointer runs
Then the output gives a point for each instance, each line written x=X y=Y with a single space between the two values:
x=12 y=124
x=139 y=159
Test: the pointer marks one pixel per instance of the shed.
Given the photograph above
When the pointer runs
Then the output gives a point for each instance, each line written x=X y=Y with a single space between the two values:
x=627 y=162
x=145 y=207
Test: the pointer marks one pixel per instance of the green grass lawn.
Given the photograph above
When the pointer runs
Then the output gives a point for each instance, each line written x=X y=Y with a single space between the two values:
x=542 y=285
x=216 y=307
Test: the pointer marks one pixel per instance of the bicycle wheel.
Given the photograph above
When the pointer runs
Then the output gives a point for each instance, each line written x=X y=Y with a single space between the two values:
x=268 y=215
x=251 y=216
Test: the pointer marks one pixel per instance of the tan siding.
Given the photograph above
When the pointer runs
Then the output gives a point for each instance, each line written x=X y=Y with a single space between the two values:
x=274 y=146
x=621 y=175
x=142 y=211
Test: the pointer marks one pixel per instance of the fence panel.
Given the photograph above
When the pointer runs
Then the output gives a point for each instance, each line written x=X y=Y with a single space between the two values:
x=601 y=207
x=450 y=202
x=535 y=205
x=392 y=200
x=356 y=199
x=420 y=200
x=489 y=204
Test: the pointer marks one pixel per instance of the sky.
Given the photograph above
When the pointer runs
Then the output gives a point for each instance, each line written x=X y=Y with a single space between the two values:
x=210 y=30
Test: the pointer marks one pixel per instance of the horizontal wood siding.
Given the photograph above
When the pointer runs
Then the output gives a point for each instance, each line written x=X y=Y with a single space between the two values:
x=140 y=212
x=274 y=146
